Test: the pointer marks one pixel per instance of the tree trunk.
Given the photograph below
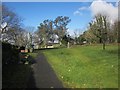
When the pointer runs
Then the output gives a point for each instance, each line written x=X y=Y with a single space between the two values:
x=100 y=40
x=103 y=44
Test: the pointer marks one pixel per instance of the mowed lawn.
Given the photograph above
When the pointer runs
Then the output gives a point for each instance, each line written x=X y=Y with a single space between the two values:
x=85 y=66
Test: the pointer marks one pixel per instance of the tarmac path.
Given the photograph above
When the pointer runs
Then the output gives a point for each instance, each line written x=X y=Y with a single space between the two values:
x=43 y=76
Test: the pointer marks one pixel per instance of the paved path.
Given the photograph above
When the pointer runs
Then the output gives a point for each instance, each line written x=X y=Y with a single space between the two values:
x=43 y=75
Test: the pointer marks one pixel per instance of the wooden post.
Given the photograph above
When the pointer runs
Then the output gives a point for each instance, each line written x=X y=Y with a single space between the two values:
x=68 y=45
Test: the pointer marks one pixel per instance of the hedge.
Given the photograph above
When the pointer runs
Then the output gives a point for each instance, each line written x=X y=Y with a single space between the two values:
x=10 y=54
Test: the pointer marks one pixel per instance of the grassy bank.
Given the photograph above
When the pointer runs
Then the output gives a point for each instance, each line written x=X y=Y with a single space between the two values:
x=85 y=66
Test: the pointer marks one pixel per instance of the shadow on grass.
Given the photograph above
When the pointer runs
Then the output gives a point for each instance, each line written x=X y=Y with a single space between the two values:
x=46 y=49
x=116 y=51
x=18 y=76
x=31 y=60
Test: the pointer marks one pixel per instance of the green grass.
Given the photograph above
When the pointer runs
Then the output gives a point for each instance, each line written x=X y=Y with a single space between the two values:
x=33 y=55
x=85 y=66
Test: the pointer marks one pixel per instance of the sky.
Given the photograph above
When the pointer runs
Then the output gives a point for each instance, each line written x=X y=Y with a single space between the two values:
x=80 y=13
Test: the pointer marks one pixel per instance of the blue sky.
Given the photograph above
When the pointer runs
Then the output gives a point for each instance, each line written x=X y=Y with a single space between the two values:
x=34 y=13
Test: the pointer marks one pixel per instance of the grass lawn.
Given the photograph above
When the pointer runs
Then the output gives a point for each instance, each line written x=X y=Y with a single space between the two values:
x=85 y=66
x=33 y=55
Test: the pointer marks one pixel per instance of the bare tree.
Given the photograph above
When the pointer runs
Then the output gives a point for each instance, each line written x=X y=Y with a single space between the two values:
x=13 y=25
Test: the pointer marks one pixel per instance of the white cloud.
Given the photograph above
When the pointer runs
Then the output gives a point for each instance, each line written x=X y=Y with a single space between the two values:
x=117 y=3
x=104 y=8
x=77 y=13
x=83 y=8
x=101 y=7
